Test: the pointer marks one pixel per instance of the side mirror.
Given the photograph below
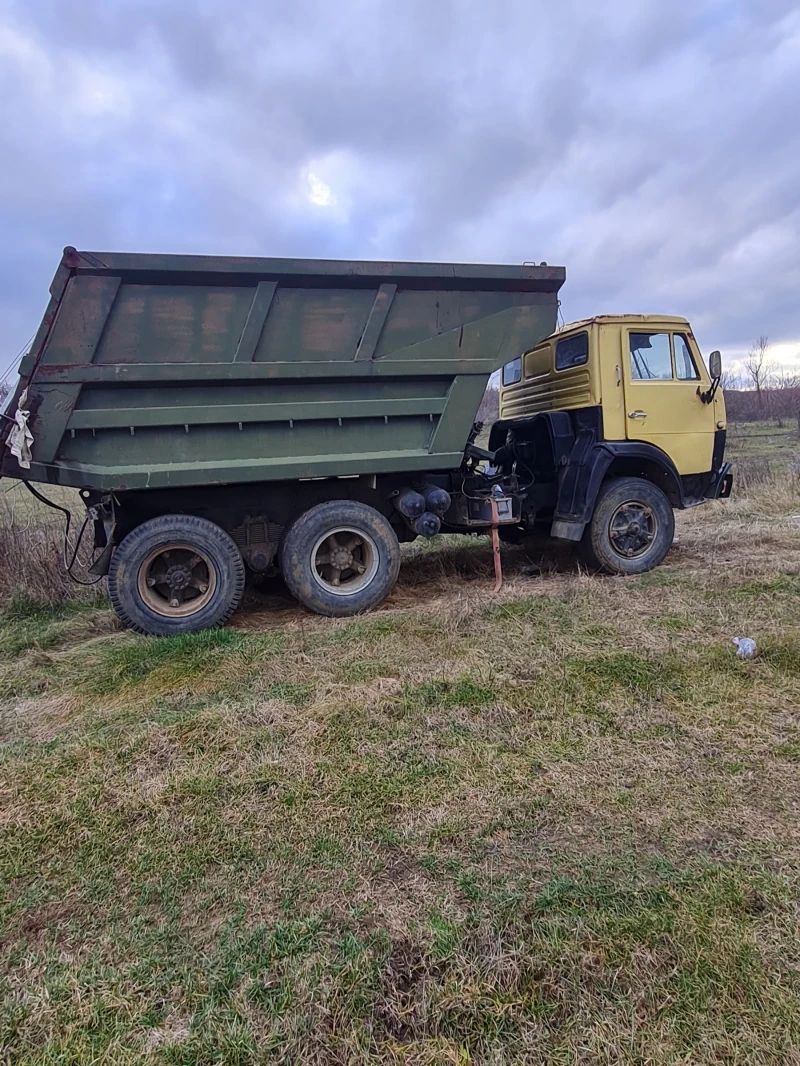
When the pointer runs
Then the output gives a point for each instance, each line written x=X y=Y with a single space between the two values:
x=715 y=366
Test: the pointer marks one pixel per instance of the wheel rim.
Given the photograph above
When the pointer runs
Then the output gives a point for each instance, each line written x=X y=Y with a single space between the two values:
x=177 y=580
x=344 y=560
x=632 y=529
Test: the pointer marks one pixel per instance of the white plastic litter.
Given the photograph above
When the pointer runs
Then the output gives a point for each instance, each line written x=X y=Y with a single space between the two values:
x=20 y=438
x=747 y=647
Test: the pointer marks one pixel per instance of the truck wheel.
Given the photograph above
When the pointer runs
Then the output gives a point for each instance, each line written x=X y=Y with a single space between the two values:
x=176 y=574
x=632 y=527
x=340 y=558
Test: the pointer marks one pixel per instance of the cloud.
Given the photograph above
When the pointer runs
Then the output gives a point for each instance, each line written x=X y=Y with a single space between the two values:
x=318 y=192
x=653 y=149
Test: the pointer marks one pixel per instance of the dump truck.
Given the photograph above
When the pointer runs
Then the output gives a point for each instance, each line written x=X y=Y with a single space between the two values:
x=226 y=418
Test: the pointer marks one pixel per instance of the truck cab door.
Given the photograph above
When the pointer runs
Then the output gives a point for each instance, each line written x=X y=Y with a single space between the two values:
x=664 y=376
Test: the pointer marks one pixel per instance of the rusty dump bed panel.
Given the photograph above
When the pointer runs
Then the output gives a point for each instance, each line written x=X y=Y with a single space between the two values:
x=150 y=371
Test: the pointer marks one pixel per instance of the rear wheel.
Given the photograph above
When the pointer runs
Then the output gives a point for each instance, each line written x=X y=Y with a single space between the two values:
x=176 y=574
x=632 y=527
x=340 y=558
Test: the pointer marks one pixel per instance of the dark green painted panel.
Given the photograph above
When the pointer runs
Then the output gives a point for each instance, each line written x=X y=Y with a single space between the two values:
x=264 y=441
x=376 y=322
x=200 y=268
x=174 y=324
x=256 y=317
x=169 y=475
x=80 y=321
x=49 y=417
x=415 y=316
x=491 y=340
x=477 y=348
x=465 y=395
x=314 y=324
x=377 y=366
x=252 y=412
x=224 y=373
x=297 y=392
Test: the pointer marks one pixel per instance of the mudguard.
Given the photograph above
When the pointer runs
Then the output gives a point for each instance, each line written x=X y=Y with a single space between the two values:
x=588 y=465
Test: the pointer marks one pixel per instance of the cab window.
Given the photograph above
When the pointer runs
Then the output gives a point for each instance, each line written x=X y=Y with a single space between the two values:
x=572 y=351
x=651 y=357
x=512 y=372
x=685 y=370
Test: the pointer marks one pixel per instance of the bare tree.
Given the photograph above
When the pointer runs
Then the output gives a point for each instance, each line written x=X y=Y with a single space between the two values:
x=760 y=369
x=784 y=379
x=730 y=380
x=784 y=398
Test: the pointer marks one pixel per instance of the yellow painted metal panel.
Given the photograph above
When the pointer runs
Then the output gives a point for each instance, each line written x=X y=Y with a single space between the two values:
x=543 y=388
x=607 y=344
x=670 y=413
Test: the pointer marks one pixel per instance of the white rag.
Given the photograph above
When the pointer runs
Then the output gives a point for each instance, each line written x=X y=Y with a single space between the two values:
x=20 y=438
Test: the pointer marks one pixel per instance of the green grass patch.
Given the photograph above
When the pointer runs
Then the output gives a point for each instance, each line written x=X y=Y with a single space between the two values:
x=546 y=612
x=644 y=675
x=360 y=670
x=292 y=692
x=561 y=965
x=782 y=655
x=367 y=629
x=166 y=663
x=26 y=624
x=656 y=579
x=775 y=586
x=465 y=692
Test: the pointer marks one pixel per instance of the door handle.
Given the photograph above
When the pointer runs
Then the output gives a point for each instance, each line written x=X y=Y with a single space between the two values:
x=637 y=414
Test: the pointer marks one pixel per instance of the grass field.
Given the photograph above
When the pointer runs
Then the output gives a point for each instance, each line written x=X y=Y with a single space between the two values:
x=556 y=825
x=763 y=451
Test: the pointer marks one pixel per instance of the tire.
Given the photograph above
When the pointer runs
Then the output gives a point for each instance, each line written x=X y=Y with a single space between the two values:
x=156 y=586
x=632 y=527
x=361 y=536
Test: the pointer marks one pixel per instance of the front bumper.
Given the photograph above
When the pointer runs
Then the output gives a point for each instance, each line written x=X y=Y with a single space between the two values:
x=721 y=484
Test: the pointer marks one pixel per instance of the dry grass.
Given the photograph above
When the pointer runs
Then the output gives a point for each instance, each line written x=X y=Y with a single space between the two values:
x=556 y=825
x=31 y=549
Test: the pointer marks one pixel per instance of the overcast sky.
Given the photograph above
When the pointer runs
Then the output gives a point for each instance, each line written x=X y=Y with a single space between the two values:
x=650 y=146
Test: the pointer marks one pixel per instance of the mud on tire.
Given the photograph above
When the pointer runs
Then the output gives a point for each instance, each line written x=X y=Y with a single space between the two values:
x=176 y=574
x=340 y=558
x=632 y=527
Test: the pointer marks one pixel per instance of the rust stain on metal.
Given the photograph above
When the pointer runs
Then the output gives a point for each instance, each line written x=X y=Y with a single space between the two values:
x=74 y=260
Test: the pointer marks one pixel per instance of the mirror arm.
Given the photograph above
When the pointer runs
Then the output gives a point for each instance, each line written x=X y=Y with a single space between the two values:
x=709 y=395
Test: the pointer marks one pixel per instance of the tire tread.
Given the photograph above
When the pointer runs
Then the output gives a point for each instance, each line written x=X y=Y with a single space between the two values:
x=647 y=491
x=191 y=525
x=309 y=526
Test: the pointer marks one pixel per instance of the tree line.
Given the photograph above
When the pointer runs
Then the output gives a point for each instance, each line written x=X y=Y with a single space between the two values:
x=763 y=389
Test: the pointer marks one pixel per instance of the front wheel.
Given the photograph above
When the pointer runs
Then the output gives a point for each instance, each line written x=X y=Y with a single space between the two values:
x=340 y=558
x=176 y=574
x=632 y=527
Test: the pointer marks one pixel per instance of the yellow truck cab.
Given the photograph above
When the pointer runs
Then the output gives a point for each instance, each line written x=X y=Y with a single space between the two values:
x=625 y=410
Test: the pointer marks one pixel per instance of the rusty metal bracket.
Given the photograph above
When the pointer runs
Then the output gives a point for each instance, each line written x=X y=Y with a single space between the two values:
x=498 y=565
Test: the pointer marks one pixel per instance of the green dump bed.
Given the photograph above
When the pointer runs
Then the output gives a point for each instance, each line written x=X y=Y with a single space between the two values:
x=178 y=370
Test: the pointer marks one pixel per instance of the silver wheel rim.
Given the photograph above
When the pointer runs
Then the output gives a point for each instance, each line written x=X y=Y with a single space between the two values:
x=344 y=560
x=632 y=529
